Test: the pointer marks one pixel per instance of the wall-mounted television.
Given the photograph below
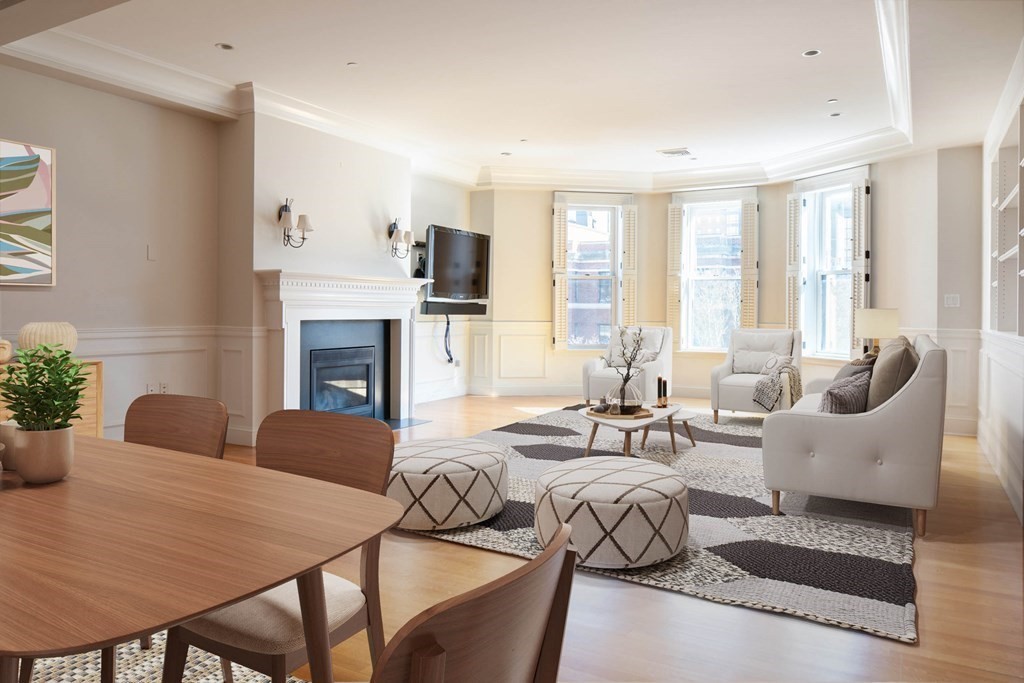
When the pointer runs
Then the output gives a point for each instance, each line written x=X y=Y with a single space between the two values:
x=458 y=262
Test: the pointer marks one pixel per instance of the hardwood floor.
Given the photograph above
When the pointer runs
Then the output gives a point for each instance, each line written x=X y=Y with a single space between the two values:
x=968 y=568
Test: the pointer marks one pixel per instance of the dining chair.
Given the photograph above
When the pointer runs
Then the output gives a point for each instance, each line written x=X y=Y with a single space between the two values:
x=189 y=424
x=508 y=630
x=264 y=633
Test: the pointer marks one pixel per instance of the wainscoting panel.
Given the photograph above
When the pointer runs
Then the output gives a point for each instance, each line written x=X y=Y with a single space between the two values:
x=522 y=356
x=238 y=374
x=434 y=377
x=1001 y=428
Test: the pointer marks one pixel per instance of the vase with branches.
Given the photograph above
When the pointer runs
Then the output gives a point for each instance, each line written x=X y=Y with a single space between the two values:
x=629 y=397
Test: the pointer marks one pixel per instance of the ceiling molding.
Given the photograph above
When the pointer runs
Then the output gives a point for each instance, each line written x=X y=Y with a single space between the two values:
x=84 y=61
x=23 y=18
x=894 y=36
x=1007 y=107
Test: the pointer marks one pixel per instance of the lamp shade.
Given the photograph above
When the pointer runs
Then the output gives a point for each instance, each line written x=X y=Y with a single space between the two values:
x=304 y=223
x=285 y=219
x=876 y=323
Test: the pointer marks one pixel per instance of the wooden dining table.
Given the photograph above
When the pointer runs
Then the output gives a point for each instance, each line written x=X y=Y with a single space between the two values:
x=137 y=539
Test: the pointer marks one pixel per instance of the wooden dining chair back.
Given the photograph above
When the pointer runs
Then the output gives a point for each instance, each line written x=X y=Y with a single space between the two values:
x=189 y=424
x=508 y=630
x=342 y=449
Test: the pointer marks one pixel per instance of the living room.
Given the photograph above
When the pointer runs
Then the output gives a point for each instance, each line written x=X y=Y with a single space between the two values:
x=179 y=131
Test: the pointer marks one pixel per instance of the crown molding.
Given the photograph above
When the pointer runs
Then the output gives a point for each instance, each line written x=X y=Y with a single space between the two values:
x=893 y=18
x=77 y=58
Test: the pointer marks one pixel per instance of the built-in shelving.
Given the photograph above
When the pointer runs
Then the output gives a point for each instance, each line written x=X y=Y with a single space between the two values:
x=1007 y=232
x=1009 y=254
x=1011 y=199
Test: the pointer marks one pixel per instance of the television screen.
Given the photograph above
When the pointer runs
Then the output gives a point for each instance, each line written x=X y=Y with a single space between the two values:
x=458 y=261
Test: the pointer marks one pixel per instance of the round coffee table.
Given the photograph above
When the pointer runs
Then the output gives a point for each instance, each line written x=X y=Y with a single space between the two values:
x=628 y=425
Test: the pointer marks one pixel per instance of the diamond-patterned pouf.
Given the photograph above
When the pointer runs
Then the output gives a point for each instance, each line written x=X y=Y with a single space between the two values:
x=448 y=483
x=624 y=512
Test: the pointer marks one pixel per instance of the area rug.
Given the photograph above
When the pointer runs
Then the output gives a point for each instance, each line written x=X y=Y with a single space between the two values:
x=836 y=562
x=140 y=666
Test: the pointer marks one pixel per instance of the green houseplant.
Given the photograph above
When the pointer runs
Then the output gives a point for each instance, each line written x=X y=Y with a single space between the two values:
x=43 y=390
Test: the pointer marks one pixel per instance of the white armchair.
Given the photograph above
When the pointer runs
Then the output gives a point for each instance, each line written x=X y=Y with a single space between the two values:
x=891 y=455
x=732 y=382
x=599 y=378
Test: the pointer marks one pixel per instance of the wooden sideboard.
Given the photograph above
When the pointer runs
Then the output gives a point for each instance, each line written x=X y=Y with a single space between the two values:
x=91 y=423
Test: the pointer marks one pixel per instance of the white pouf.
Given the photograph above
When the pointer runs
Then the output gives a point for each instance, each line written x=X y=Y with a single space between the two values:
x=447 y=483
x=624 y=512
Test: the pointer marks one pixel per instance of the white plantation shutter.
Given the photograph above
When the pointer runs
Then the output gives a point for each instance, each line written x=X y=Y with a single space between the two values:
x=560 y=310
x=794 y=275
x=559 y=283
x=674 y=292
x=627 y=290
x=749 y=261
x=861 y=280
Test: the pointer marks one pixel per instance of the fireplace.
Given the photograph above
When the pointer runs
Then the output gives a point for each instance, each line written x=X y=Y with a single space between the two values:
x=345 y=368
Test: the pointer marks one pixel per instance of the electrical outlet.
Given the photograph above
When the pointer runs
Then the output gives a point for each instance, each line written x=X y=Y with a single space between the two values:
x=458 y=362
x=163 y=387
x=152 y=388
x=952 y=300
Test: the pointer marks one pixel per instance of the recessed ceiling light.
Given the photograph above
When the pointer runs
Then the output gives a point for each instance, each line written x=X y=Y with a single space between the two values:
x=224 y=46
x=832 y=101
x=352 y=64
x=811 y=53
x=506 y=154
x=674 y=152
x=523 y=140
x=835 y=114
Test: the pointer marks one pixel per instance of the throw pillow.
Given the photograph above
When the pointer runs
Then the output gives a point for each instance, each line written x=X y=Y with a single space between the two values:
x=774 y=363
x=854 y=367
x=896 y=362
x=750 y=362
x=846 y=396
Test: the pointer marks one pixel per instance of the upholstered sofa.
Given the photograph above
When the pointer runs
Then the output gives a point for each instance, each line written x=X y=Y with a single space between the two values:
x=890 y=455
x=599 y=378
x=734 y=390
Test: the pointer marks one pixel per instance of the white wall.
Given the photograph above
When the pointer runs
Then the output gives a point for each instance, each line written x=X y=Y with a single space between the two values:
x=129 y=175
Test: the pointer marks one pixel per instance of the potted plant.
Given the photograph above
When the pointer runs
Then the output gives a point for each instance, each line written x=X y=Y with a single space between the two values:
x=43 y=390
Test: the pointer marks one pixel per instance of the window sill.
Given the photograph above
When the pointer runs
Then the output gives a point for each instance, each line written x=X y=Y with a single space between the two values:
x=825 y=360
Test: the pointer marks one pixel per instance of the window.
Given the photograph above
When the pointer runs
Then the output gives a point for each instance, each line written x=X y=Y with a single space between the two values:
x=712 y=266
x=593 y=268
x=828 y=260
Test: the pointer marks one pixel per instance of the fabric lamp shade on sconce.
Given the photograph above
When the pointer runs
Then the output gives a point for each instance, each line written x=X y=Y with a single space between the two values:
x=401 y=240
x=293 y=234
x=876 y=324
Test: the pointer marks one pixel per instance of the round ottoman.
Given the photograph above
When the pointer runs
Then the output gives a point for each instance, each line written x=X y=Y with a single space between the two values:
x=447 y=483
x=624 y=512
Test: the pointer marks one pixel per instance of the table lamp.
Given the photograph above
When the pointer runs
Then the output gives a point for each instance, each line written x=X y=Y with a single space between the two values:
x=876 y=324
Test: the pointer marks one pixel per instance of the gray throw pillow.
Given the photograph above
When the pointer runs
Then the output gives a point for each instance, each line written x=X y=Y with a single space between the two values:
x=774 y=362
x=846 y=396
x=896 y=362
x=855 y=367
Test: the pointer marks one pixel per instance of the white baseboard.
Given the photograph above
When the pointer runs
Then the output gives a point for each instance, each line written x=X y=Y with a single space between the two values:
x=527 y=390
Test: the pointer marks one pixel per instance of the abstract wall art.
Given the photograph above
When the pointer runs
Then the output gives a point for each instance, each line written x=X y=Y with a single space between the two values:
x=27 y=230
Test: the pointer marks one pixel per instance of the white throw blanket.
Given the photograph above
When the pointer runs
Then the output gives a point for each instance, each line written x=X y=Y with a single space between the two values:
x=768 y=390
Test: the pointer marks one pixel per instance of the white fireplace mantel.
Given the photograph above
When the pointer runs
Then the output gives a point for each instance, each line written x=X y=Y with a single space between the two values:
x=291 y=298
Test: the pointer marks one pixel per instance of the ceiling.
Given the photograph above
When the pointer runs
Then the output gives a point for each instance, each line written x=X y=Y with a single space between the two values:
x=598 y=86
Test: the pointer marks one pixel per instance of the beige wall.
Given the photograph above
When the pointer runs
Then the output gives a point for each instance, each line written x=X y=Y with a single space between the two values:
x=128 y=175
x=960 y=241
x=652 y=236
x=350 y=191
x=439 y=203
x=904 y=238
x=236 y=304
x=771 y=254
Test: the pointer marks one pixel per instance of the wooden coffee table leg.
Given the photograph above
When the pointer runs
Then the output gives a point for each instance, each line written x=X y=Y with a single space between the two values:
x=627 y=444
x=689 y=433
x=590 y=444
x=8 y=670
x=672 y=433
x=643 y=441
x=314 y=625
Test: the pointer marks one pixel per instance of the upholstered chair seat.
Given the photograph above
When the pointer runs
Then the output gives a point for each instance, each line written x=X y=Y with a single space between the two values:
x=732 y=382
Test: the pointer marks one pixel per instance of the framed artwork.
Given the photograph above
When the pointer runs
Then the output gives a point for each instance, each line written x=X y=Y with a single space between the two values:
x=28 y=189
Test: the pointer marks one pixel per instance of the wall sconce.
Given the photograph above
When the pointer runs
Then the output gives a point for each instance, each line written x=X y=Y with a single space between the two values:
x=401 y=240
x=293 y=235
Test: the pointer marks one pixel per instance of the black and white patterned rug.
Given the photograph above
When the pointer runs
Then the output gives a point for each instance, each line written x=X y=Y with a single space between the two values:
x=140 y=666
x=836 y=562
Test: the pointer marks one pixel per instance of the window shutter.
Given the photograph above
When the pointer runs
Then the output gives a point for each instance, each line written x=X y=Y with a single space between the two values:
x=559 y=282
x=560 y=311
x=558 y=237
x=794 y=276
x=748 y=283
x=627 y=291
x=629 y=299
x=861 y=280
x=673 y=298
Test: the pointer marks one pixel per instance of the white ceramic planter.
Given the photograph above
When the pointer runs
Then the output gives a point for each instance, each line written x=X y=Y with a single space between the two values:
x=6 y=351
x=7 y=434
x=44 y=457
x=34 y=334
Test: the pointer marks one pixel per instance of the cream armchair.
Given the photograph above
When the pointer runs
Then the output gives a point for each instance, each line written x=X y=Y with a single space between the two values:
x=599 y=379
x=732 y=382
x=891 y=455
